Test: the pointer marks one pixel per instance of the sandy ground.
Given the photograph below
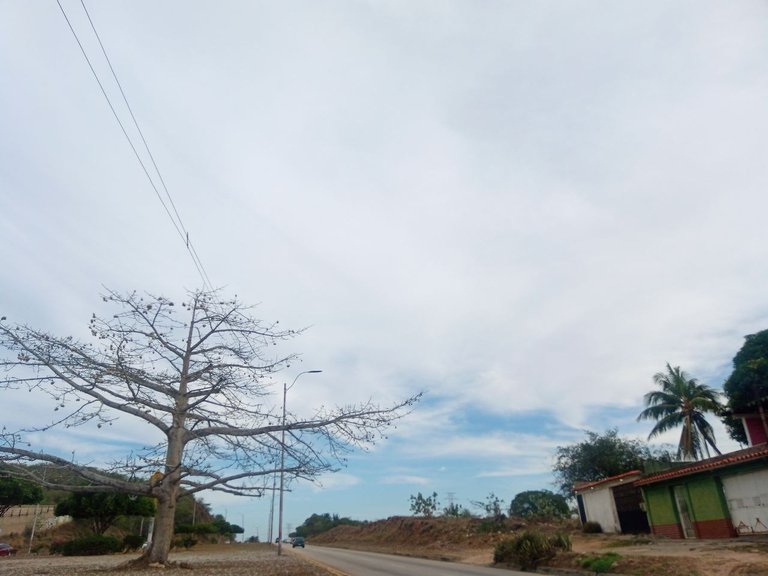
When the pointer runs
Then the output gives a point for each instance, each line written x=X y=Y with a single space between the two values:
x=237 y=560
x=642 y=556
x=661 y=557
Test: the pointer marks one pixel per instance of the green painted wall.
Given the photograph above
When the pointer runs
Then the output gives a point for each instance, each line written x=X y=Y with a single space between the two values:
x=705 y=499
x=660 y=506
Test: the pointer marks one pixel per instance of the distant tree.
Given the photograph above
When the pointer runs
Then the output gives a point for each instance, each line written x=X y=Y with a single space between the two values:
x=102 y=509
x=225 y=528
x=601 y=456
x=198 y=376
x=319 y=523
x=191 y=510
x=683 y=402
x=493 y=507
x=747 y=387
x=424 y=505
x=542 y=504
x=16 y=492
x=454 y=510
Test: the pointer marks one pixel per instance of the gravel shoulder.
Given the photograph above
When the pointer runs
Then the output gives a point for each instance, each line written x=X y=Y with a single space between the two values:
x=213 y=560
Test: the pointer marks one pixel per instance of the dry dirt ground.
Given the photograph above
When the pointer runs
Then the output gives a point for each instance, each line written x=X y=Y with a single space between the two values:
x=454 y=541
x=209 y=560
x=458 y=540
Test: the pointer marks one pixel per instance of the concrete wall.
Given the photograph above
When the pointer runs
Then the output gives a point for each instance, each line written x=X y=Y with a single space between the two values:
x=706 y=504
x=20 y=518
x=599 y=507
x=662 y=515
x=747 y=499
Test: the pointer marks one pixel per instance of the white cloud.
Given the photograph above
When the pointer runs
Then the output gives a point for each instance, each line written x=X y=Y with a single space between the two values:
x=335 y=481
x=419 y=480
x=516 y=208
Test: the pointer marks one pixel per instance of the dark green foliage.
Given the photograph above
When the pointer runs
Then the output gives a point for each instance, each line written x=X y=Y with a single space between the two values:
x=217 y=526
x=185 y=541
x=16 y=492
x=424 y=505
x=601 y=456
x=540 y=504
x=681 y=402
x=493 y=507
x=747 y=387
x=504 y=551
x=454 y=510
x=202 y=528
x=319 y=523
x=225 y=528
x=527 y=550
x=190 y=510
x=600 y=564
x=102 y=509
x=94 y=545
x=132 y=542
x=591 y=527
x=561 y=541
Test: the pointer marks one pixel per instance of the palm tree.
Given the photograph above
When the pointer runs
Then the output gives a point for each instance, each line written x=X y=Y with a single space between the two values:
x=682 y=401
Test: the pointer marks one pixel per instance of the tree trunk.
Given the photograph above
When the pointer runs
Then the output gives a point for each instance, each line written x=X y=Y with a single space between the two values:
x=167 y=493
x=162 y=535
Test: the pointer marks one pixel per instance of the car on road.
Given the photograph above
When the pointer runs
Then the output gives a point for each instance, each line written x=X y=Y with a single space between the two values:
x=298 y=541
x=7 y=550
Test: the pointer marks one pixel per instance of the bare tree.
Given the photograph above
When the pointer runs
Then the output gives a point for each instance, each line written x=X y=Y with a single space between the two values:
x=199 y=374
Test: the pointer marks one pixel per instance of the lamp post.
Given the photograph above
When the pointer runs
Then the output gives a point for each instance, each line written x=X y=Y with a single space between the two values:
x=282 y=462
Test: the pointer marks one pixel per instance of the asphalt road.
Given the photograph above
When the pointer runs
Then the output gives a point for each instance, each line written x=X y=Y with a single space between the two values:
x=354 y=563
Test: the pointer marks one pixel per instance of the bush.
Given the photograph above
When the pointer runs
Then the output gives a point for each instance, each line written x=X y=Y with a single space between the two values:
x=591 y=527
x=490 y=525
x=599 y=564
x=132 y=542
x=186 y=541
x=527 y=550
x=561 y=542
x=94 y=545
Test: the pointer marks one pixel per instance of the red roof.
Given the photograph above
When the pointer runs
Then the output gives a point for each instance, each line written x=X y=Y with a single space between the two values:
x=723 y=461
x=619 y=477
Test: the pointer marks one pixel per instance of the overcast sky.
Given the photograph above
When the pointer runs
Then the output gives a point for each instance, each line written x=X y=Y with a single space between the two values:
x=523 y=209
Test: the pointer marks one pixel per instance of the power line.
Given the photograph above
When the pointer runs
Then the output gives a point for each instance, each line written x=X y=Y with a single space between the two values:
x=177 y=222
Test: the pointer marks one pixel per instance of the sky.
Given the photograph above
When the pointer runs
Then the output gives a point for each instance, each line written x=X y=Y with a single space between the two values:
x=521 y=209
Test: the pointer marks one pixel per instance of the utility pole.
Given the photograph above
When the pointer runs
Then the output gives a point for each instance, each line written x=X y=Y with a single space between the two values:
x=282 y=462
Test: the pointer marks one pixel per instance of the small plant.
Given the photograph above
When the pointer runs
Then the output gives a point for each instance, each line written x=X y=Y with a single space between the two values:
x=132 y=542
x=186 y=541
x=591 y=527
x=94 y=545
x=424 y=505
x=561 y=541
x=527 y=550
x=600 y=564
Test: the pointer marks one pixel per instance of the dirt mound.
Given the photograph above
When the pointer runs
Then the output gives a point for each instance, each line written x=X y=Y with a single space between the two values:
x=444 y=538
x=470 y=540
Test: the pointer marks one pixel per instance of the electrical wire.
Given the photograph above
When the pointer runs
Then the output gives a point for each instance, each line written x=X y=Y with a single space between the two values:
x=176 y=221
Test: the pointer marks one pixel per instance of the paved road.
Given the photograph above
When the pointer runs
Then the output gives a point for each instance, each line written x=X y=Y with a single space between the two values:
x=354 y=563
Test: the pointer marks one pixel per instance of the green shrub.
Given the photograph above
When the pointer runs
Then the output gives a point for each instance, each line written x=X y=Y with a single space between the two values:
x=591 y=527
x=527 y=550
x=600 y=564
x=132 y=542
x=94 y=545
x=185 y=541
x=504 y=551
x=561 y=542
x=490 y=525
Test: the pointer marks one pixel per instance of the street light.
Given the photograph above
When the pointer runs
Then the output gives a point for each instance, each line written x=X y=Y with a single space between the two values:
x=282 y=462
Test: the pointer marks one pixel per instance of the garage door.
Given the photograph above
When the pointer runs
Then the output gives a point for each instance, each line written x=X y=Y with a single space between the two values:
x=747 y=496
